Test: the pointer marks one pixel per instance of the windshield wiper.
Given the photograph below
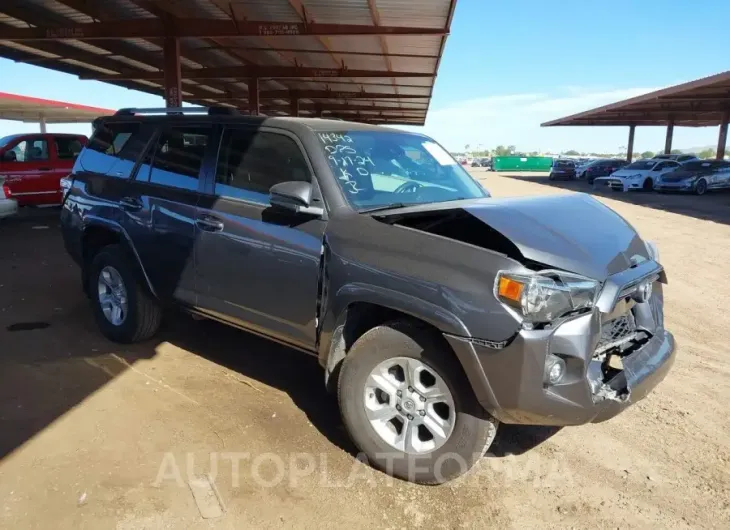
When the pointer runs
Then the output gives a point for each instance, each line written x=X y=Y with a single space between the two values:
x=392 y=206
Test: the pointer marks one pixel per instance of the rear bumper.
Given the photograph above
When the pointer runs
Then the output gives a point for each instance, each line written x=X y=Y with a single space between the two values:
x=8 y=207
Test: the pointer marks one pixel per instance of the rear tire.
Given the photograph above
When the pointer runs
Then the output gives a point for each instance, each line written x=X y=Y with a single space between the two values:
x=142 y=315
x=471 y=429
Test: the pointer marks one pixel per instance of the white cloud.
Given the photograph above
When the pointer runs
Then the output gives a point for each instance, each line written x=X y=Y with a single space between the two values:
x=514 y=119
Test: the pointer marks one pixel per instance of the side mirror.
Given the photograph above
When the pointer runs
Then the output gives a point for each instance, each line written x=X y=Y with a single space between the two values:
x=294 y=196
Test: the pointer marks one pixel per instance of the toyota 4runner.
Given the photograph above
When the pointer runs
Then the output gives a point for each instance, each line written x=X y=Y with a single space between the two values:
x=435 y=310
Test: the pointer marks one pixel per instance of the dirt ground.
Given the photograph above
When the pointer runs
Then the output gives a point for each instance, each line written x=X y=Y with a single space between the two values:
x=94 y=435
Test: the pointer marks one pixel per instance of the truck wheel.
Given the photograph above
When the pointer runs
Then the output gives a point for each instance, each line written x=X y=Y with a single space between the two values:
x=124 y=310
x=408 y=406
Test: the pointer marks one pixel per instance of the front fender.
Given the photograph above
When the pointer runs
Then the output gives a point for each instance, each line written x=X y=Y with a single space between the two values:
x=352 y=293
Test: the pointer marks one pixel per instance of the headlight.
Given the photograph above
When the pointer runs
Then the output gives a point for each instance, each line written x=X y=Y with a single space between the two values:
x=652 y=250
x=637 y=176
x=545 y=296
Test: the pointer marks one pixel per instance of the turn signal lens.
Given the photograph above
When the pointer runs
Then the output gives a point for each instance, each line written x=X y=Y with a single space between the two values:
x=546 y=295
x=510 y=289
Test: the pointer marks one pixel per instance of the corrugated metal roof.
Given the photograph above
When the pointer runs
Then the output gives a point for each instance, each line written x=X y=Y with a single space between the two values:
x=700 y=103
x=333 y=52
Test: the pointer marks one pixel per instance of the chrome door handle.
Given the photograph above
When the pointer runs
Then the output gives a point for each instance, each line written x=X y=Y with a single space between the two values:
x=209 y=223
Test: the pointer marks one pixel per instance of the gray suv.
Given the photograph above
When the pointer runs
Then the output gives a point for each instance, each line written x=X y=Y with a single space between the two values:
x=436 y=311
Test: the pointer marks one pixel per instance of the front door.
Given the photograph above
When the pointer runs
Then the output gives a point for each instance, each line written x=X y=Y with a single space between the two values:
x=27 y=166
x=258 y=267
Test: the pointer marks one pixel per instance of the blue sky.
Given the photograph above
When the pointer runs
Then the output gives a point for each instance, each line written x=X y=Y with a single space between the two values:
x=510 y=65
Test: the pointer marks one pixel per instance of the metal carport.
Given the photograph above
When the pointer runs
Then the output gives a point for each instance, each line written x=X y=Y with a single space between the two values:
x=701 y=103
x=369 y=60
x=28 y=109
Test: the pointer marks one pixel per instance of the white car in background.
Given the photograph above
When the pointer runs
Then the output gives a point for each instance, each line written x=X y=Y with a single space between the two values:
x=639 y=175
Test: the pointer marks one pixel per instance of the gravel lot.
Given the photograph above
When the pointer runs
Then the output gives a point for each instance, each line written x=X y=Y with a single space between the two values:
x=93 y=435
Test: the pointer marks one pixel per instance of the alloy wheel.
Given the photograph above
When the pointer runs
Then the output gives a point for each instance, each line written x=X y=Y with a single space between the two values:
x=112 y=295
x=409 y=405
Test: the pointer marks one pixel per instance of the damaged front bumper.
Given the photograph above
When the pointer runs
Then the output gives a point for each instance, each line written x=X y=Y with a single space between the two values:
x=602 y=376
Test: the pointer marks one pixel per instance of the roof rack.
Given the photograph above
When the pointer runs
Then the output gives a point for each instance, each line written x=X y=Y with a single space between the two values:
x=178 y=110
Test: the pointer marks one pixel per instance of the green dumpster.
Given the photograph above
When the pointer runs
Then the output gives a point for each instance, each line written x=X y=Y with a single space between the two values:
x=522 y=163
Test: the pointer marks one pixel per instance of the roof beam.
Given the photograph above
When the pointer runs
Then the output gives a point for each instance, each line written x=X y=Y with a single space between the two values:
x=346 y=107
x=304 y=94
x=308 y=51
x=145 y=28
x=248 y=71
x=299 y=8
x=27 y=13
x=375 y=16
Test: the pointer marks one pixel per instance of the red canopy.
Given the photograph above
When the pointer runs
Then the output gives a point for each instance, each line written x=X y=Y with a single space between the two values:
x=28 y=109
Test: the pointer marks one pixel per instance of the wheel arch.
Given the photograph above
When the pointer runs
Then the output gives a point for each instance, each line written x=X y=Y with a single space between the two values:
x=98 y=233
x=357 y=308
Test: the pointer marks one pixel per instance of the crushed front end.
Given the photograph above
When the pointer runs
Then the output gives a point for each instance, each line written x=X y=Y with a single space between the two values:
x=587 y=367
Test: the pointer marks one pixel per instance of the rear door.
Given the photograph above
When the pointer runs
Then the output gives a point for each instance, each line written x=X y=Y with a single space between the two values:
x=258 y=267
x=26 y=165
x=159 y=205
x=65 y=149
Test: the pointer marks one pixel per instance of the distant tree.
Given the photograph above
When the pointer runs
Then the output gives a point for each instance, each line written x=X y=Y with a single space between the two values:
x=647 y=154
x=504 y=151
x=534 y=153
x=676 y=151
x=572 y=152
x=466 y=147
x=706 y=153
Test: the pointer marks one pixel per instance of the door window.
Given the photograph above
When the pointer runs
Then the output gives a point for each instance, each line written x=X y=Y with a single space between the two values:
x=113 y=149
x=67 y=147
x=31 y=150
x=177 y=158
x=251 y=162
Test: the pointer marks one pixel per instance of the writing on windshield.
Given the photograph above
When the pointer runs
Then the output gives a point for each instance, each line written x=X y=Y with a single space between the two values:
x=342 y=154
x=376 y=168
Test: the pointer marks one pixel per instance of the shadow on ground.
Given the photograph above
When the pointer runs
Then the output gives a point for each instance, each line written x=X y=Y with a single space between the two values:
x=52 y=356
x=48 y=339
x=713 y=206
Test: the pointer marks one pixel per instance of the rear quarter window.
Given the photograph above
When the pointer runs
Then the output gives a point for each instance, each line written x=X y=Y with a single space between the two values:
x=113 y=149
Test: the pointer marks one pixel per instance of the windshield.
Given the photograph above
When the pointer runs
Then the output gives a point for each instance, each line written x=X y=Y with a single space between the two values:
x=642 y=164
x=5 y=140
x=700 y=165
x=376 y=169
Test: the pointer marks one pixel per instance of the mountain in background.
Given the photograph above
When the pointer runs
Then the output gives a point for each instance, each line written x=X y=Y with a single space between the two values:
x=695 y=150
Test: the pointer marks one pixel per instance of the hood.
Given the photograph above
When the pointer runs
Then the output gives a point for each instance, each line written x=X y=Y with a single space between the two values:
x=573 y=232
x=623 y=173
x=680 y=174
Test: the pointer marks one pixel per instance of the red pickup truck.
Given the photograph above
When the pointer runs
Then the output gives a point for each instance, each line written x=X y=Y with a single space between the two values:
x=32 y=165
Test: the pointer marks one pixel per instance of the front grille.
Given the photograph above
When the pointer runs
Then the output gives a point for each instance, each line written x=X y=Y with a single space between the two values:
x=617 y=331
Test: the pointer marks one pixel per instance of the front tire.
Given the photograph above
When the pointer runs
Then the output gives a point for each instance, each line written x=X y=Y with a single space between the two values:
x=124 y=310
x=648 y=185
x=701 y=187
x=408 y=406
